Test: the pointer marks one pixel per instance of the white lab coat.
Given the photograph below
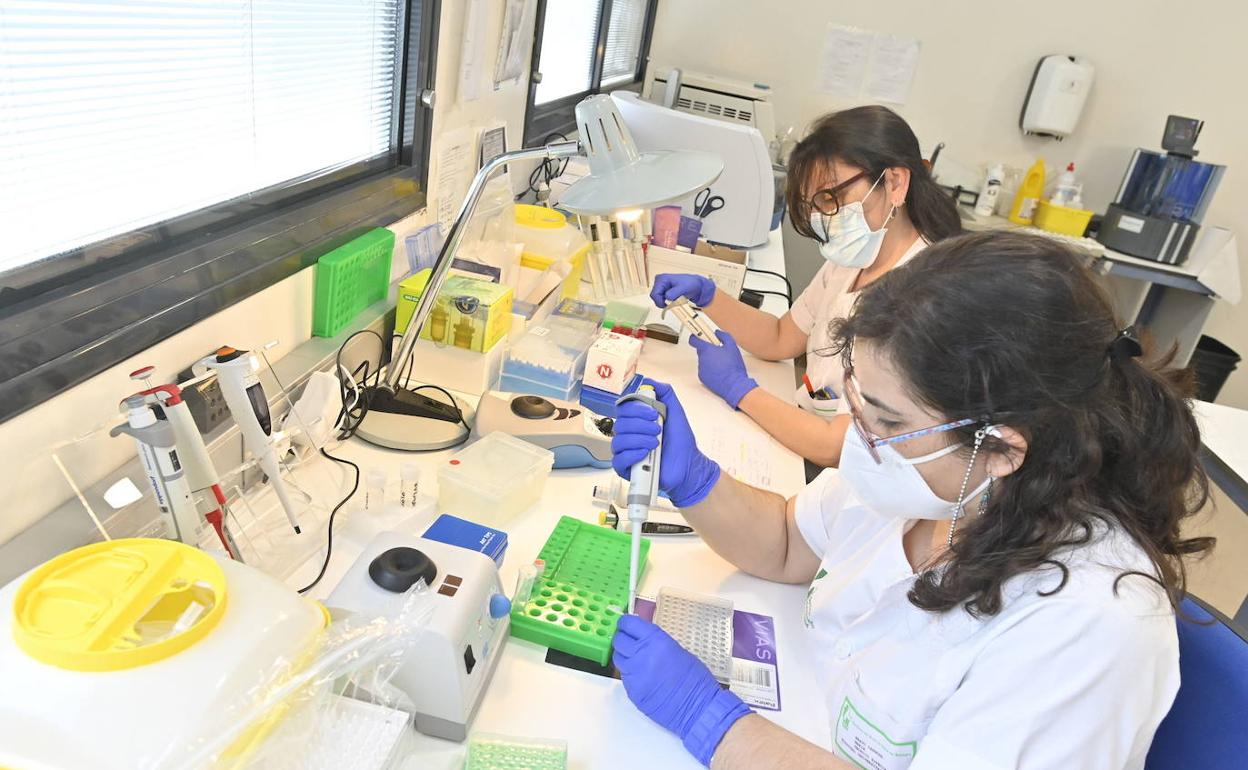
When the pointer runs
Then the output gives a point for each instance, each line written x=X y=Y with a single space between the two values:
x=1079 y=679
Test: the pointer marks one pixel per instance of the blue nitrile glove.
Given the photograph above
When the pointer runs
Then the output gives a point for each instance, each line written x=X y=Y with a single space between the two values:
x=721 y=369
x=685 y=474
x=670 y=685
x=670 y=286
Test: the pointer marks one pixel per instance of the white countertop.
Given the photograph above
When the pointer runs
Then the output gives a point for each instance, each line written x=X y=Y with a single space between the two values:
x=1224 y=432
x=529 y=697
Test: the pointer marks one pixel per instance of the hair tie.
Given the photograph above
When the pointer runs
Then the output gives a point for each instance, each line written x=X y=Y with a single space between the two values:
x=1125 y=345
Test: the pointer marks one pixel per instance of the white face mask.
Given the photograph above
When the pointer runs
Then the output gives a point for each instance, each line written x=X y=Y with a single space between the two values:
x=895 y=488
x=847 y=239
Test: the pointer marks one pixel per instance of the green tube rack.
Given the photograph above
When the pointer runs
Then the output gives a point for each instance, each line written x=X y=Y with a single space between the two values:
x=349 y=279
x=576 y=603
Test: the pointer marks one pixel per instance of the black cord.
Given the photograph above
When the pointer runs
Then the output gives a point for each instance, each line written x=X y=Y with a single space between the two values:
x=453 y=403
x=329 y=529
x=549 y=168
x=774 y=294
x=781 y=276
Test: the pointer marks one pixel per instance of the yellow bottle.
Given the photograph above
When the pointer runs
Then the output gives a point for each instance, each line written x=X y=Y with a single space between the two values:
x=1028 y=195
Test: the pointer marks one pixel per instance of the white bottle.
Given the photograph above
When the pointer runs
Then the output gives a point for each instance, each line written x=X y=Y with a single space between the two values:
x=986 y=206
x=1067 y=192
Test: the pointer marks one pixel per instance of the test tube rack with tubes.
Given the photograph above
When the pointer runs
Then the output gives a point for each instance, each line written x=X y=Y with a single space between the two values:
x=101 y=475
x=575 y=603
x=616 y=261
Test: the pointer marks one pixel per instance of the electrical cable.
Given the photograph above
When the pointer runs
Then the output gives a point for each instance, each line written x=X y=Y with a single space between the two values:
x=547 y=168
x=787 y=284
x=775 y=294
x=329 y=528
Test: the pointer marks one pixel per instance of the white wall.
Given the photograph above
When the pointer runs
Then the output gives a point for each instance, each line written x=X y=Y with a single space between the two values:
x=1153 y=58
x=283 y=313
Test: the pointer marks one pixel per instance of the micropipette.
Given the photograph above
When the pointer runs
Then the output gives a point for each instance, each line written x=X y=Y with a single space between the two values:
x=643 y=485
x=244 y=396
x=154 y=441
x=201 y=474
x=687 y=313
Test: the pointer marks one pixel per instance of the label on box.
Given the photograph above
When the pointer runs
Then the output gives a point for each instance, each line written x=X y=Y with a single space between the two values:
x=1131 y=224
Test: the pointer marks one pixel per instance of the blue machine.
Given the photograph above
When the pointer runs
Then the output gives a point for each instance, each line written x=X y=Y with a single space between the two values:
x=578 y=437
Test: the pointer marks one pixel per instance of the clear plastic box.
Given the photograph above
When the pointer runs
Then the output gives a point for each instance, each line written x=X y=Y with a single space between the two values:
x=493 y=479
x=549 y=360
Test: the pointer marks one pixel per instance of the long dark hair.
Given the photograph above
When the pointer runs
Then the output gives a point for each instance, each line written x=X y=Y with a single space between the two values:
x=1014 y=329
x=872 y=138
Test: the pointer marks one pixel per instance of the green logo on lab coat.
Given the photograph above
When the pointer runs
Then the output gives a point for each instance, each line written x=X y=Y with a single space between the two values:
x=810 y=593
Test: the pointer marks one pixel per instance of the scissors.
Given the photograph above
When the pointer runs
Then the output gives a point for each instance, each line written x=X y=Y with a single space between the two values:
x=706 y=204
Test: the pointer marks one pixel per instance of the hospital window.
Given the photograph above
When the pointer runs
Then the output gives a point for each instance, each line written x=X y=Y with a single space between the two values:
x=161 y=160
x=583 y=48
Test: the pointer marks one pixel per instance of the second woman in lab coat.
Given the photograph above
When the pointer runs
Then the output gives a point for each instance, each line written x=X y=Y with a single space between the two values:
x=857 y=185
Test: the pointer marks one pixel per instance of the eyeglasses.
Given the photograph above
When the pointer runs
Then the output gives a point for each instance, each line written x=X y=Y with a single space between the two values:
x=853 y=397
x=828 y=201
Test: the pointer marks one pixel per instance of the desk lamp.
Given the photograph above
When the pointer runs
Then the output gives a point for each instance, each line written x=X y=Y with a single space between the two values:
x=619 y=178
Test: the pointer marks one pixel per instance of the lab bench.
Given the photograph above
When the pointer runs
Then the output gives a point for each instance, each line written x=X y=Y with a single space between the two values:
x=1224 y=454
x=529 y=697
x=1168 y=300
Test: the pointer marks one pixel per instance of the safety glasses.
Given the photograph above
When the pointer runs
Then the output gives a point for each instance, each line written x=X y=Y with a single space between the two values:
x=853 y=397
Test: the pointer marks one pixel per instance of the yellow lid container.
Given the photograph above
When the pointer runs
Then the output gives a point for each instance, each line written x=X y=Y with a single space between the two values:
x=118 y=604
x=1062 y=220
x=548 y=238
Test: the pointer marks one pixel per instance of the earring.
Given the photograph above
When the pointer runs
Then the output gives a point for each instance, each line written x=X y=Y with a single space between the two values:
x=983 y=501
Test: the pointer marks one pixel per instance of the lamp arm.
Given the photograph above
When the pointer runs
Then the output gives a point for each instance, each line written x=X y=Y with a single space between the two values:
x=450 y=247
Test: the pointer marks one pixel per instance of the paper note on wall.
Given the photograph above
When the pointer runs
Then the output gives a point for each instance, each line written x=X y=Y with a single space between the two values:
x=455 y=165
x=893 y=63
x=843 y=64
x=472 y=51
x=514 y=42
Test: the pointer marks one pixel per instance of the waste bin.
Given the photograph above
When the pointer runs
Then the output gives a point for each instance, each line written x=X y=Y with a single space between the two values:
x=1212 y=362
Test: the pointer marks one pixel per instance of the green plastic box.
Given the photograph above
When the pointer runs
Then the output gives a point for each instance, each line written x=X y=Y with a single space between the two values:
x=576 y=603
x=349 y=279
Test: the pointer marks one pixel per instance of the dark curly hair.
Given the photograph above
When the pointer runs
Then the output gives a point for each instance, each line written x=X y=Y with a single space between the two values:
x=1016 y=329
x=872 y=138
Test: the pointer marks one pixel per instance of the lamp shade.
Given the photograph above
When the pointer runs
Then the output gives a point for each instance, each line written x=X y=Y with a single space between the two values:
x=620 y=177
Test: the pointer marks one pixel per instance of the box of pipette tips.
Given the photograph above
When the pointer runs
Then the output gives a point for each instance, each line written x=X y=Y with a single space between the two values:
x=453 y=530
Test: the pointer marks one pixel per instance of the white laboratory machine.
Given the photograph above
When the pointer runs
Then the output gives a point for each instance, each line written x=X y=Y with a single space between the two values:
x=1059 y=88
x=727 y=99
x=450 y=663
x=747 y=184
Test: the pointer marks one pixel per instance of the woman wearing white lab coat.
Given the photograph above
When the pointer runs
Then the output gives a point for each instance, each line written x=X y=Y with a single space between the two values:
x=993 y=568
x=859 y=187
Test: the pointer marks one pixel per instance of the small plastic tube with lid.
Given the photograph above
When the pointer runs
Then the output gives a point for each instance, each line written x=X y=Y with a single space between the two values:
x=375 y=490
x=529 y=575
x=409 y=484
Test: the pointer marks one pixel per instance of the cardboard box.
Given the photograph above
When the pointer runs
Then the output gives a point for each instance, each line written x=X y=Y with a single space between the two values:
x=470 y=313
x=724 y=266
x=612 y=362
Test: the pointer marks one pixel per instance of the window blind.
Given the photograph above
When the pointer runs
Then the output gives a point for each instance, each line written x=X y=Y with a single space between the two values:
x=116 y=114
x=628 y=20
x=569 y=37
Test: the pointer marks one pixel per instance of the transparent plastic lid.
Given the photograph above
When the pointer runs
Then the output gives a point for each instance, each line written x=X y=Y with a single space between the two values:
x=496 y=464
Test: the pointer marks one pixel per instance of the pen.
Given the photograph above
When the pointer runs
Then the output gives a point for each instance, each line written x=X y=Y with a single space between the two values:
x=611 y=518
x=809 y=387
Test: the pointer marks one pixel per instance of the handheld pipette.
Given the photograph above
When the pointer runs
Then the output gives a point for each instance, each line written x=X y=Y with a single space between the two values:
x=687 y=313
x=155 y=444
x=643 y=486
x=201 y=474
x=236 y=373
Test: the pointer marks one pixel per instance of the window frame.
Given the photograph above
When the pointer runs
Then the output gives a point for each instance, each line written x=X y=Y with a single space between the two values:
x=77 y=314
x=559 y=116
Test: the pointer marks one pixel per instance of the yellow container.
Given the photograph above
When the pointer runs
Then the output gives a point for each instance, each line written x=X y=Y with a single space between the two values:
x=1023 y=211
x=470 y=313
x=1062 y=220
x=548 y=238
